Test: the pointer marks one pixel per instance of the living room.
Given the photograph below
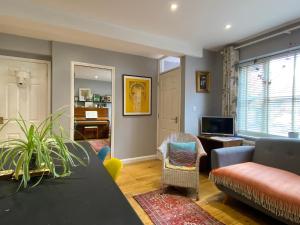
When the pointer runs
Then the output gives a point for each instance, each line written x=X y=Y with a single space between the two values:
x=222 y=79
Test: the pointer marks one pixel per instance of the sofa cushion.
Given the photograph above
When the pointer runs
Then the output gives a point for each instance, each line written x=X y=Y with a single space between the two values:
x=276 y=190
x=182 y=153
x=281 y=153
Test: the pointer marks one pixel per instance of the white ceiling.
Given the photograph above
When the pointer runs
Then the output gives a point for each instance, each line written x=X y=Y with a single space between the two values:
x=89 y=73
x=144 y=27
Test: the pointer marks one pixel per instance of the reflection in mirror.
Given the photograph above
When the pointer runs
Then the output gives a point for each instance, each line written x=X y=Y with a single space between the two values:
x=93 y=106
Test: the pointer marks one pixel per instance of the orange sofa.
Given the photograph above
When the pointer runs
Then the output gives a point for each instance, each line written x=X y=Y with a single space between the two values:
x=265 y=176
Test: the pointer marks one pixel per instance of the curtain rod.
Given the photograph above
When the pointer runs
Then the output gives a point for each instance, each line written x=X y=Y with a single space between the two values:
x=286 y=31
x=269 y=55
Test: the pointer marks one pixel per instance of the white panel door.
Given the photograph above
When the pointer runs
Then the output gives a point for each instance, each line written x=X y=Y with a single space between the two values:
x=169 y=104
x=24 y=90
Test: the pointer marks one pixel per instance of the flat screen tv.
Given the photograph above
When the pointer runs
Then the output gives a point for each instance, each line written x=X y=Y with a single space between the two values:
x=217 y=125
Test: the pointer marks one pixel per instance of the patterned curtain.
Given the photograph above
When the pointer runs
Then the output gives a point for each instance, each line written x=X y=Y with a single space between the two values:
x=230 y=81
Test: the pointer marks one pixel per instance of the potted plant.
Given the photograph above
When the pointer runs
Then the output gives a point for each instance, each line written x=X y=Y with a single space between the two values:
x=42 y=149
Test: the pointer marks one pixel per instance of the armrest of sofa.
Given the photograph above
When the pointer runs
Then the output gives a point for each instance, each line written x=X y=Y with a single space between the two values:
x=231 y=155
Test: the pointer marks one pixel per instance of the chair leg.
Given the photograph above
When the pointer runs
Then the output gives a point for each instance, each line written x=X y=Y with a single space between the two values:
x=226 y=199
x=197 y=195
x=163 y=188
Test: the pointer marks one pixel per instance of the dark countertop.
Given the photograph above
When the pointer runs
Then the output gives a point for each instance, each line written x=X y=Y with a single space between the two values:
x=88 y=197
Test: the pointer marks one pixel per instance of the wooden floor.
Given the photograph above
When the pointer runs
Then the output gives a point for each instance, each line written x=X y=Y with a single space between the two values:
x=145 y=176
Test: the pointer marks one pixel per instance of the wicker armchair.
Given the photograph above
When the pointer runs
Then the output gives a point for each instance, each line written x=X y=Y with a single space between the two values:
x=180 y=177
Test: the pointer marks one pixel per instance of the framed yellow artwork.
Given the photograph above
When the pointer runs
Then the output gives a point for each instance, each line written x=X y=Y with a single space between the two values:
x=137 y=95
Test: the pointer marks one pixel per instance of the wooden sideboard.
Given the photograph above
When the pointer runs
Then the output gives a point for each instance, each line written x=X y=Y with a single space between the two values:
x=209 y=143
x=93 y=128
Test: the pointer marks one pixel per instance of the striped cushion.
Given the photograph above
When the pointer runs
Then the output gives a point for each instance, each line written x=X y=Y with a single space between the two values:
x=182 y=154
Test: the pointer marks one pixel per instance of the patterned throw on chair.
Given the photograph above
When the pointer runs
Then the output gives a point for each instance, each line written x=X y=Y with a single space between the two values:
x=171 y=209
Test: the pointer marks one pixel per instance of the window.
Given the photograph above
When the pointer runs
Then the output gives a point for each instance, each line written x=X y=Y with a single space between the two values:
x=169 y=63
x=269 y=97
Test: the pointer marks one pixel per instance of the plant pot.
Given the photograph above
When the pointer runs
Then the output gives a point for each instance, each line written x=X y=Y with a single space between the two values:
x=32 y=163
x=33 y=173
x=6 y=174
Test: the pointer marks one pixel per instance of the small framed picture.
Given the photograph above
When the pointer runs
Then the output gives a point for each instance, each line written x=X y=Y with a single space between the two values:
x=202 y=81
x=85 y=94
x=96 y=98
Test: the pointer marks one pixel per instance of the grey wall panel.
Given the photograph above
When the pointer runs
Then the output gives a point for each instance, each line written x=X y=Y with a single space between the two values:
x=135 y=135
x=97 y=87
x=26 y=45
x=276 y=44
x=182 y=116
x=201 y=104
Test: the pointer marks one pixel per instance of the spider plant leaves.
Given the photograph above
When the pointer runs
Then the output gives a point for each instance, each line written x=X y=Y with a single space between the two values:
x=19 y=165
x=42 y=148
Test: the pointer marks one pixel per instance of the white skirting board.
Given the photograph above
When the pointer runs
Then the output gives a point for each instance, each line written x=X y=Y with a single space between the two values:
x=139 y=159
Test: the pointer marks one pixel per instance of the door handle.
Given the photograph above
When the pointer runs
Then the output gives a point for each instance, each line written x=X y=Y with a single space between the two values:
x=175 y=119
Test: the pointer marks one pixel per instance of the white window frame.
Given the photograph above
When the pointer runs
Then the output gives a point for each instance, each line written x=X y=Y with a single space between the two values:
x=266 y=63
x=161 y=65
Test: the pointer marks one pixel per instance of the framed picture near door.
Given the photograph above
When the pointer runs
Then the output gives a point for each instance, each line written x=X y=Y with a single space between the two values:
x=202 y=81
x=137 y=95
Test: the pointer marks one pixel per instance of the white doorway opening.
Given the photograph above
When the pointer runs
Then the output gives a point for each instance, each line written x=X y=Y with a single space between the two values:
x=93 y=104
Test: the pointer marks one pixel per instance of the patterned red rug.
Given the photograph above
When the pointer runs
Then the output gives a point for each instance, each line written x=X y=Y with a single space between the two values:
x=171 y=209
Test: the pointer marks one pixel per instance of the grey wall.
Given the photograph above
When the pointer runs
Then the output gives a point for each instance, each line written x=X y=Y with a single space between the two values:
x=97 y=87
x=135 y=135
x=13 y=45
x=276 y=44
x=182 y=115
x=201 y=104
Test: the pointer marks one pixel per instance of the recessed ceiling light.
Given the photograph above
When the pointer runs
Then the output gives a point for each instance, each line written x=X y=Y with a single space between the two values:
x=96 y=77
x=174 y=7
x=228 y=26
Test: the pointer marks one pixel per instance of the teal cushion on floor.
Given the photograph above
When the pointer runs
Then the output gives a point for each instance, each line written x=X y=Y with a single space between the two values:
x=103 y=152
x=182 y=153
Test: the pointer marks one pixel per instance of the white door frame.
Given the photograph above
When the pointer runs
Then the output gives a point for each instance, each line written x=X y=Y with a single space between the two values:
x=157 y=105
x=73 y=64
x=49 y=74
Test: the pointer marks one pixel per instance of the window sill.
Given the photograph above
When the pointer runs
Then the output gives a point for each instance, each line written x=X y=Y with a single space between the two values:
x=255 y=138
x=248 y=137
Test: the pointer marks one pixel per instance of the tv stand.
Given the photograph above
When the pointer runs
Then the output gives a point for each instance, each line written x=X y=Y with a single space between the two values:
x=210 y=142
